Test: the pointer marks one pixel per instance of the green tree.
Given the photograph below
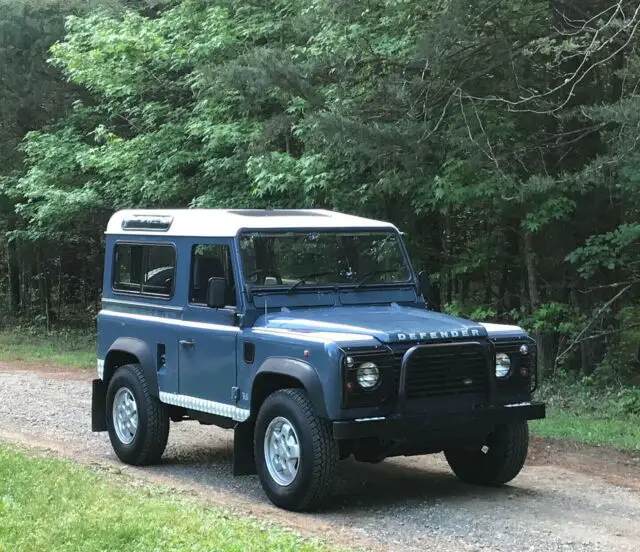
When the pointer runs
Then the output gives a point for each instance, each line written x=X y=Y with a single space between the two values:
x=501 y=136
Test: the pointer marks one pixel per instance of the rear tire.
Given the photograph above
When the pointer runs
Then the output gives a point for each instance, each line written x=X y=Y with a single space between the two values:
x=137 y=422
x=498 y=461
x=296 y=473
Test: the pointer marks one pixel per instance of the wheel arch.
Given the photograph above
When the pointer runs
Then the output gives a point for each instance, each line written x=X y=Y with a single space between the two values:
x=282 y=373
x=129 y=350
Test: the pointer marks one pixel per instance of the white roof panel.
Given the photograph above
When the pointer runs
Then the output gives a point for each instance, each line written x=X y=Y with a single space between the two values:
x=228 y=222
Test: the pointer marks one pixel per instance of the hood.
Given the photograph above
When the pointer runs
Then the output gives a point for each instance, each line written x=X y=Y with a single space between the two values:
x=389 y=323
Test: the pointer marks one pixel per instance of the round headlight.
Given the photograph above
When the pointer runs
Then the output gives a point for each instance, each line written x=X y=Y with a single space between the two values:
x=367 y=375
x=503 y=365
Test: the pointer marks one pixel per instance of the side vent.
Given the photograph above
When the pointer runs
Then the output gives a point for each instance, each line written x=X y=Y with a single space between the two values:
x=161 y=355
x=249 y=352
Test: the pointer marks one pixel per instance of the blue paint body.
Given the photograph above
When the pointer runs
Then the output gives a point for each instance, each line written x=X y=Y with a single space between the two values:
x=313 y=327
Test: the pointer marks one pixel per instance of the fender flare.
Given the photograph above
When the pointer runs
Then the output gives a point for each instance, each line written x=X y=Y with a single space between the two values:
x=301 y=371
x=140 y=350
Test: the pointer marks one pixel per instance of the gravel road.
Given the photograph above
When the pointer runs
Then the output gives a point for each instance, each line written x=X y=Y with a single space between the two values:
x=566 y=498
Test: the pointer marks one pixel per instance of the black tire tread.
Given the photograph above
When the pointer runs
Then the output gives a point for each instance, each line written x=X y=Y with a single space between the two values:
x=156 y=433
x=471 y=467
x=517 y=448
x=325 y=449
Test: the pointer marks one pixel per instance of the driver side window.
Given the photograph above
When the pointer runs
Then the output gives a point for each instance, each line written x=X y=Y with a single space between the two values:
x=210 y=261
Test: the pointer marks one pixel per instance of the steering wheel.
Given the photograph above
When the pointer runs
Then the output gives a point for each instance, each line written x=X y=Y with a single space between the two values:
x=264 y=272
x=168 y=283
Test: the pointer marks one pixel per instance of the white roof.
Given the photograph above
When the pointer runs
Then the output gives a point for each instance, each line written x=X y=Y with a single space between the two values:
x=228 y=222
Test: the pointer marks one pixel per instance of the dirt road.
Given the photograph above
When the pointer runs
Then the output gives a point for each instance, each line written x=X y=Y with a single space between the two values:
x=566 y=498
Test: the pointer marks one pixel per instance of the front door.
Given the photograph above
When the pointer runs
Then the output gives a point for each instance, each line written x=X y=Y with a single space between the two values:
x=207 y=338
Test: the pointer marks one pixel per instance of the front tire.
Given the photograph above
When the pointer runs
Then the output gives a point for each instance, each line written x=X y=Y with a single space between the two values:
x=137 y=422
x=498 y=461
x=294 y=450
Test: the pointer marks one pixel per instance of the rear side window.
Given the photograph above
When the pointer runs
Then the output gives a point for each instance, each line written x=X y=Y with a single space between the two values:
x=144 y=269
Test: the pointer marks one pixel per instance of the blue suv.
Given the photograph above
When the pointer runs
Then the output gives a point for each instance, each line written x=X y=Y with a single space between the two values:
x=306 y=332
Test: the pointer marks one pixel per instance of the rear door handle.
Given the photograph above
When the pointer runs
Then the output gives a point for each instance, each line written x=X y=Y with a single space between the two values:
x=187 y=342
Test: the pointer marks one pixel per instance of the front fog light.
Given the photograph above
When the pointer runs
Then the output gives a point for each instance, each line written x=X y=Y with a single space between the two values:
x=503 y=365
x=367 y=375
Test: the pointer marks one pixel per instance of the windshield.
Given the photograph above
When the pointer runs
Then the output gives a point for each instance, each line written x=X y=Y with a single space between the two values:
x=298 y=259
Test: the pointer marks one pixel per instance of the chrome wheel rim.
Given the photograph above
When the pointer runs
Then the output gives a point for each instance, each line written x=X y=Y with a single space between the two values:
x=282 y=451
x=125 y=415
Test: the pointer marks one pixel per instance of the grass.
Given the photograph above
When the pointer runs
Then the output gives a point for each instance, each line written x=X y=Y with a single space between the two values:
x=587 y=429
x=53 y=505
x=584 y=412
x=64 y=348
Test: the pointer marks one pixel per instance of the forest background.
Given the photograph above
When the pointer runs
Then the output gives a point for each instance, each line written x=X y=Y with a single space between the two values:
x=501 y=135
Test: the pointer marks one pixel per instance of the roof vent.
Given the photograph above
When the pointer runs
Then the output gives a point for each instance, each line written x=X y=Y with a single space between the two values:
x=151 y=223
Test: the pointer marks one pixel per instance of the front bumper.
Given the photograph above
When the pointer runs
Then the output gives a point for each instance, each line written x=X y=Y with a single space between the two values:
x=413 y=427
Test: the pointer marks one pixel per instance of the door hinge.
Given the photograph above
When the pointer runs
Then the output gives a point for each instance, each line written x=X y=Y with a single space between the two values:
x=235 y=393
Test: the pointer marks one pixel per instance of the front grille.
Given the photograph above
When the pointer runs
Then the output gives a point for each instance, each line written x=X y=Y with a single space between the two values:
x=443 y=372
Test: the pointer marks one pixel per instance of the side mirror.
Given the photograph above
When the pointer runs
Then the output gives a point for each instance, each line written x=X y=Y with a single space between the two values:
x=424 y=285
x=429 y=291
x=216 y=293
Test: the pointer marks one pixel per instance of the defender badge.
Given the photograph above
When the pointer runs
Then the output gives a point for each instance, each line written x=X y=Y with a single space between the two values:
x=415 y=336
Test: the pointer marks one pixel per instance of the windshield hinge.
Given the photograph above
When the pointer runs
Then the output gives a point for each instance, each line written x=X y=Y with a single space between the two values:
x=249 y=292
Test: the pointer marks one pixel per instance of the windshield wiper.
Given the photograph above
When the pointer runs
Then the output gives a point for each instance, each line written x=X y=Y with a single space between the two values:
x=303 y=279
x=373 y=273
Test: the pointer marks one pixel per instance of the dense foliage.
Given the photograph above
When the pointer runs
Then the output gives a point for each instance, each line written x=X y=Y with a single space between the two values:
x=502 y=136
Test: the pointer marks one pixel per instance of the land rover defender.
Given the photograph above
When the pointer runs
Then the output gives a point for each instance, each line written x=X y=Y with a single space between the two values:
x=307 y=333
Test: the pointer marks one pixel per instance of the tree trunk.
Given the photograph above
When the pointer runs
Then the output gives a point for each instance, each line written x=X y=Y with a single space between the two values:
x=532 y=278
x=591 y=350
x=488 y=261
x=502 y=289
x=544 y=341
x=512 y=269
x=45 y=294
x=13 y=269
x=59 y=308
x=488 y=286
x=466 y=286
x=446 y=248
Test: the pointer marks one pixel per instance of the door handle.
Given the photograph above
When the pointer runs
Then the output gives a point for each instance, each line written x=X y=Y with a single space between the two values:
x=187 y=342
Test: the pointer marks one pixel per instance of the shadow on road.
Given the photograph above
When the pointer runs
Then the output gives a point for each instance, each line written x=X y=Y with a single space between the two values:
x=357 y=484
x=394 y=482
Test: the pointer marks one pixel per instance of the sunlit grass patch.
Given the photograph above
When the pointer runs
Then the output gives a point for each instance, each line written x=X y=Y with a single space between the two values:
x=56 y=506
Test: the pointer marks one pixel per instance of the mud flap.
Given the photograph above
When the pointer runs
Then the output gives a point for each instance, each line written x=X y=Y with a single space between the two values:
x=98 y=406
x=243 y=459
